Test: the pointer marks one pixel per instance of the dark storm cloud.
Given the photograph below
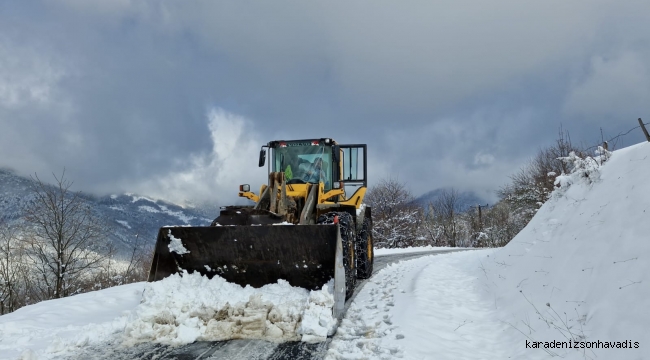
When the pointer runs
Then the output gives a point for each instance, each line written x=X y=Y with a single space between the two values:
x=174 y=98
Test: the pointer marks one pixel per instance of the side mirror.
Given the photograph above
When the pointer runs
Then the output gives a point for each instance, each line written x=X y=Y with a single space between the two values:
x=335 y=153
x=262 y=157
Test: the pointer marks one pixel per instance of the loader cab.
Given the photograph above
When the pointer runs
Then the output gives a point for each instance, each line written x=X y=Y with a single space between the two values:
x=304 y=161
x=353 y=167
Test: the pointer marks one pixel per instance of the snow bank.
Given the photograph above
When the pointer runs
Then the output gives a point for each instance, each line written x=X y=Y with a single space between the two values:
x=579 y=272
x=183 y=309
x=174 y=311
x=54 y=327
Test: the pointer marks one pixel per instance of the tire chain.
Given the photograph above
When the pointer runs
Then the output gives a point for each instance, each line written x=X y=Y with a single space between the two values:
x=364 y=265
x=346 y=224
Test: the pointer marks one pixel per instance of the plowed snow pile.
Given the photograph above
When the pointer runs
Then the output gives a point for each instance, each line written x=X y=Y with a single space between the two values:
x=183 y=309
x=174 y=311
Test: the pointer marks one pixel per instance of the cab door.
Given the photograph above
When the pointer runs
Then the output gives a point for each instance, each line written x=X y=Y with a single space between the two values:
x=354 y=168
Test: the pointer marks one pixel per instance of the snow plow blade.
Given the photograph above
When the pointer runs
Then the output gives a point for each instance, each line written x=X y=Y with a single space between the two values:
x=306 y=256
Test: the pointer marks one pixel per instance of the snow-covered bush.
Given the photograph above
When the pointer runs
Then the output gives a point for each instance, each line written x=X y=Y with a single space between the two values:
x=581 y=169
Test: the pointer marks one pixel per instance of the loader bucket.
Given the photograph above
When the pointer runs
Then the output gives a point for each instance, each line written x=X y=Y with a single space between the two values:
x=304 y=255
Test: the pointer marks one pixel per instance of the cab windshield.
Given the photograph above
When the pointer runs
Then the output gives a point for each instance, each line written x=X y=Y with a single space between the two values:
x=303 y=162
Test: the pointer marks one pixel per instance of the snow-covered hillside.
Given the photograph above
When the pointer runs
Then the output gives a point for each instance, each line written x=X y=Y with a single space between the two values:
x=125 y=215
x=580 y=270
x=572 y=285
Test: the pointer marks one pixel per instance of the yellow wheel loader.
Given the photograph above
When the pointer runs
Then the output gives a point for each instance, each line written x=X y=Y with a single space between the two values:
x=303 y=228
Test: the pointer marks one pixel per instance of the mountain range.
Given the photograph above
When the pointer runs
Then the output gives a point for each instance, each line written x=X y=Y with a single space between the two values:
x=124 y=215
x=465 y=200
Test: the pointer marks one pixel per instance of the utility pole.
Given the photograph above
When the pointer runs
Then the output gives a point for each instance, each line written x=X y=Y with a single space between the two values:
x=480 y=217
x=477 y=237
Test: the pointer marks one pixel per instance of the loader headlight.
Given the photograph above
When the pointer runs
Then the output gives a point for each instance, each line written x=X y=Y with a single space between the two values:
x=336 y=185
x=245 y=188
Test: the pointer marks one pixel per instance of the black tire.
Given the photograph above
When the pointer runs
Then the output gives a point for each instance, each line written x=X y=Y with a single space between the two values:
x=364 y=250
x=348 y=237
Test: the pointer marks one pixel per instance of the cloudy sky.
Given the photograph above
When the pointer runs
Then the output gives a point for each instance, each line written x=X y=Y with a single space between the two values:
x=173 y=99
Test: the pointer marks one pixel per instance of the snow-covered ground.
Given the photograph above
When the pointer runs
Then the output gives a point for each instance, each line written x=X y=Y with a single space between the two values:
x=48 y=328
x=573 y=284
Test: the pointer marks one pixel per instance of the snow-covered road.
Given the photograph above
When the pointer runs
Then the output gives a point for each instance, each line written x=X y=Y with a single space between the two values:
x=422 y=309
x=260 y=349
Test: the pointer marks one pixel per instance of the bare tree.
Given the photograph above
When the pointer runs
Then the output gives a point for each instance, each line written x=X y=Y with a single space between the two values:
x=395 y=215
x=66 y=232
x=131 y=270
x=112 y=272
x=447 y=208
x=11 y=268
x=533 y=184
x=140 y=262
x=444 y=223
